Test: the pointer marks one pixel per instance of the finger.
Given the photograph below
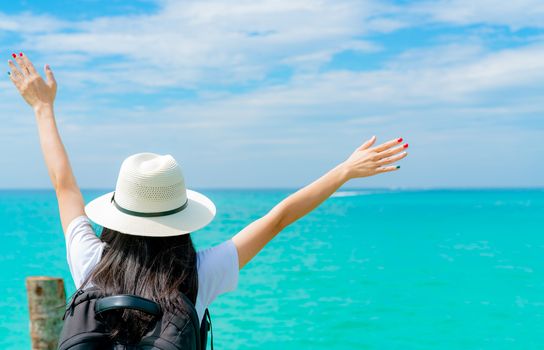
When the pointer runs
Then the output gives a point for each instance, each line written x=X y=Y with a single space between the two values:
x=15 y=75
x=367 y=144
x=386 y=169
x=50 y=77
x=387 y=145
x=391 y=159
x=28 y=64
x=14 y=70
x=24 y=68
x=391 y=151
x=15 y=81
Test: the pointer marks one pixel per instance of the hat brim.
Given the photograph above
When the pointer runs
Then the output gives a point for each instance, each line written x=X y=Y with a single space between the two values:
x=199 y=212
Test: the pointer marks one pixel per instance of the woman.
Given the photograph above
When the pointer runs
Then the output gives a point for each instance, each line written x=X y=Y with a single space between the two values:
x=145 y=247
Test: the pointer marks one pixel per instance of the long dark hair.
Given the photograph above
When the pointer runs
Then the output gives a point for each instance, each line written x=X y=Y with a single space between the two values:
x=157 y=268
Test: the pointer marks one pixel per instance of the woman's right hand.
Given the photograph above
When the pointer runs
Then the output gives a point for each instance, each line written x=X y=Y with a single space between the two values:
x=367 y=160
x=35 y=91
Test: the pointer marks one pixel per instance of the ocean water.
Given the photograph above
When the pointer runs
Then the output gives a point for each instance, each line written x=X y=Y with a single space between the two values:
x=368 y=269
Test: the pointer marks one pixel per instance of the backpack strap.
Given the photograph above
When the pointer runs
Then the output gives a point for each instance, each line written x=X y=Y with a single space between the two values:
x=194 y=320
x=204 y=328
x=126 y=301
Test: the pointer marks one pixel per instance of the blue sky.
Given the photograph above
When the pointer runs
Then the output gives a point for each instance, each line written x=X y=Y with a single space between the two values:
x=275 y=93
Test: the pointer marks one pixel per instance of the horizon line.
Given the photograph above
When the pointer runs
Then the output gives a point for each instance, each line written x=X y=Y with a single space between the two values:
x=401 y=188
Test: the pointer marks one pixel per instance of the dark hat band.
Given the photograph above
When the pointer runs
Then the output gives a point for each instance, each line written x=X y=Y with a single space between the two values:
x=160 y=213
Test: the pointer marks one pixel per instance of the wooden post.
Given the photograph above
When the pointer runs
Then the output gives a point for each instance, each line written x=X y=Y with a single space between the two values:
x=46 y=301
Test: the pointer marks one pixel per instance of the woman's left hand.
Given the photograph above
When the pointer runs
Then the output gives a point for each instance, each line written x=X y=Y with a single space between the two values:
x=369 y=161
x=36 y=92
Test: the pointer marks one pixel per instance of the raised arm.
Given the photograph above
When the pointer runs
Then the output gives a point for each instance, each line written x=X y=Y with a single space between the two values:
x=364 y=161
x=40 y=95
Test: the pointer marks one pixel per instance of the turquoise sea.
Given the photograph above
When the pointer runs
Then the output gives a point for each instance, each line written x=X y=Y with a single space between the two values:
x=368 y=269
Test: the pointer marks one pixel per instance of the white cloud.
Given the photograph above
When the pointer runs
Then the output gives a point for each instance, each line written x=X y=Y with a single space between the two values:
x=28 y=23
x=515 y=14
x=193 y=43
x=414 y=79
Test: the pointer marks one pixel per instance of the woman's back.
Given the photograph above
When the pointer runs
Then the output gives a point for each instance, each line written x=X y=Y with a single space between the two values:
x=157 y=268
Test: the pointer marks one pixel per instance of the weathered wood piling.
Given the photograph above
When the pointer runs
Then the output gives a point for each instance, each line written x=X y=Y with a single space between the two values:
x=46 y=301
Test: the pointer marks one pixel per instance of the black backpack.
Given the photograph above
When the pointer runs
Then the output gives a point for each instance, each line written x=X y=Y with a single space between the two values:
x=84 y=329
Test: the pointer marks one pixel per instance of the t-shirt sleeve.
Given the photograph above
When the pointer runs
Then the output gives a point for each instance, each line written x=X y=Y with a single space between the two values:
x=83 y=248
x=217 y=271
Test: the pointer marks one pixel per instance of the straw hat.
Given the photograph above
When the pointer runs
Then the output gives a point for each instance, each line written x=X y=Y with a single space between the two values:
x=150 y=199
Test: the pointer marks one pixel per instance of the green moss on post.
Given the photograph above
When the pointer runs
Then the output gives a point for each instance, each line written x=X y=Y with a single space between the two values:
x=46 y=301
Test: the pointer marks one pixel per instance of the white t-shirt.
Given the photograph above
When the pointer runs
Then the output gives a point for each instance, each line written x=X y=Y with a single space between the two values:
x=217 y=266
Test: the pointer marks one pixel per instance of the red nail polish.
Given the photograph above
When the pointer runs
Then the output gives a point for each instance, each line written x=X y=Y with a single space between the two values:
x=399 y=140
x=14 y=55
x=405 y=146
x=20 y=54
